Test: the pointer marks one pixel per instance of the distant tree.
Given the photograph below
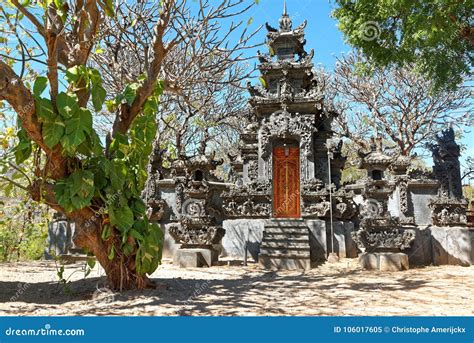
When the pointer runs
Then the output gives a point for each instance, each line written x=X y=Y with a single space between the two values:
x=204 y=100
x=436 y=36
x=469 y=169
x=395 y=103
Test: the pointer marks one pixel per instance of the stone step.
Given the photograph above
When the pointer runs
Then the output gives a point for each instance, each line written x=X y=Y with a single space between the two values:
x=291 y=253
x=281 y=244
x=281 y=224
x=285 y=245
x=283 y=262
x=287 y=230
x=76 y=251
x=274 y=237
x=285 y=237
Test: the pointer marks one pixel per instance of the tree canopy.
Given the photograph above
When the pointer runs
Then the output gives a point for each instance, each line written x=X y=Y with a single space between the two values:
x=436 y=36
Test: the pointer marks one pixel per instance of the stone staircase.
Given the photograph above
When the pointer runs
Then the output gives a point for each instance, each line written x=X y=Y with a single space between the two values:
x=285 y=245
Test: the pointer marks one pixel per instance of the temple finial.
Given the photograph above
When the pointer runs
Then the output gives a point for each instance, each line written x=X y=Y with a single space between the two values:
x=285 y=20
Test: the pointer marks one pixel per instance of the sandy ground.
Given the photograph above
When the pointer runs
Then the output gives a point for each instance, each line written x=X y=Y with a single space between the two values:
x=230 y=290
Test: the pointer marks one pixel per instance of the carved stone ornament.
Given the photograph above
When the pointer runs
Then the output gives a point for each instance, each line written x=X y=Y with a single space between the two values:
x=196 y=224
x=196 y=236
x=282 y=125
x=247 y=208
x=156 y=209
x=316 y=201
x=321 y=209
x=448 y=211
x=371 y=240
x=447 y=169
x=249 y=200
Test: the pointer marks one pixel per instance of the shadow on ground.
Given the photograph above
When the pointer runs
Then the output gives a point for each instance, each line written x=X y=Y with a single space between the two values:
x=251 y=292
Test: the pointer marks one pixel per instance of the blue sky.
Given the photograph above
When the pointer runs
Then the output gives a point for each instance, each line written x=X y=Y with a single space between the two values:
x=321 y=33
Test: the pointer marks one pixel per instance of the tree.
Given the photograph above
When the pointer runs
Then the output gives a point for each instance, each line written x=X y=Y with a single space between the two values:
x=436 y=36
x=468 y=169
x=395 y=103
x=204 y=101
x=97 y=181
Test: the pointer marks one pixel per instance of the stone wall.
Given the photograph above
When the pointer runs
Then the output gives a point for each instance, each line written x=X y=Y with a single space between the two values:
x=435 y=245
x=420 y=199
x=59 y=241
x=238 y=231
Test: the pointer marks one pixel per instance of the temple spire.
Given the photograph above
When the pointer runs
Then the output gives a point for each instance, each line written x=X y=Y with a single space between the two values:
x=285 y=21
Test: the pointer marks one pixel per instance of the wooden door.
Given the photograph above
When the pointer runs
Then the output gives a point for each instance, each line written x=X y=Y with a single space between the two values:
x=286 y=182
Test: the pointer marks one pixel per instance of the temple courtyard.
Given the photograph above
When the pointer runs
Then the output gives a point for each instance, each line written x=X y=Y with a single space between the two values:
x=341 y=289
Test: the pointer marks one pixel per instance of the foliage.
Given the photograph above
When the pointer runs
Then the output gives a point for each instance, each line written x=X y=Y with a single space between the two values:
x=65 y=280
x=468 y=192
x=118 y=178
x=435 y=35
x=23 y=230
x=23 y=224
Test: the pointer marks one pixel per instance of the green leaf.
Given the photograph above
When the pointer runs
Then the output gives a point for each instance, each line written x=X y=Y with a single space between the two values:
x=121 y=217
x=99 y=50
x=139 y=207
x=53 y=131
x=67 y=104
x=111 y=105
x=74 y=74
x=77 y=128
x=105 y=232
x=91 y=261
x=40 y=85
x=129 y=93
x=111 y=254
x=116 y=171
x=159 y=88
x=23 y=149
x=44 y=110
x=98 y=97
x=76 y=191
x=137 y=235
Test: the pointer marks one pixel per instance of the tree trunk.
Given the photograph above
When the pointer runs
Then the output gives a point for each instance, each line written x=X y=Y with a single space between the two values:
x=121 y=270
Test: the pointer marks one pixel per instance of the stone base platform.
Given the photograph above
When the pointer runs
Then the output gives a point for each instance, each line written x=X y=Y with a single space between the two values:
x=195 y=257
x=284 y=263
x=385 y=262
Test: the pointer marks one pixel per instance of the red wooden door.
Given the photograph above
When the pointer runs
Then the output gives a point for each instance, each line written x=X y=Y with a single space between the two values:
x=286 y=182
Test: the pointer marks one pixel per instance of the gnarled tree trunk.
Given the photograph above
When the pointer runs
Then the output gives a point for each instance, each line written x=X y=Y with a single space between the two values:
x=121 y=270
